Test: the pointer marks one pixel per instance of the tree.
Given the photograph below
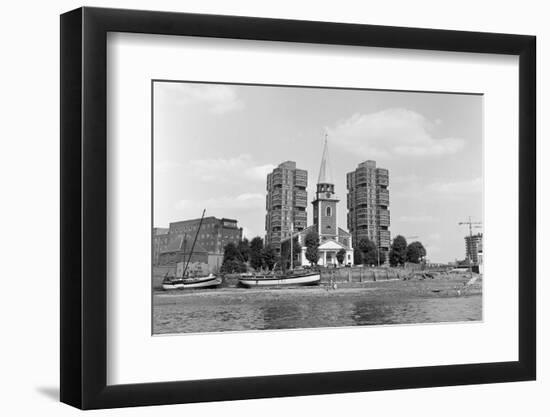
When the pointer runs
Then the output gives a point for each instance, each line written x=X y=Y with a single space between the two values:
x=255 y=255
x=244 y=249
x=398 y=251
x=357 y=256
x=382 y=256
x=269 y=257
x=230 y=252
x=234 y=266
x=341 y=255
x=285 y=251
x=369 y=251
x=312 y=247
x=232 y=259
x=415 y=252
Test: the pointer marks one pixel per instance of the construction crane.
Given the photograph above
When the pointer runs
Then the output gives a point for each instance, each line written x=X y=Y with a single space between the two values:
x=471 y=225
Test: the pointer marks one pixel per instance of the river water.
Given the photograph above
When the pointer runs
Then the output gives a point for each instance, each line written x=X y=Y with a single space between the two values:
x=267 y=313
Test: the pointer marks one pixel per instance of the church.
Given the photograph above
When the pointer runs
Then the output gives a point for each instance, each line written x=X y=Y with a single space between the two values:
x=332 y=238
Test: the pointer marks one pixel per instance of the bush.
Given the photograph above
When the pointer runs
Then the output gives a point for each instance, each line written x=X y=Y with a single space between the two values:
x=312 y=247
x=369 y=251
x=233 y=266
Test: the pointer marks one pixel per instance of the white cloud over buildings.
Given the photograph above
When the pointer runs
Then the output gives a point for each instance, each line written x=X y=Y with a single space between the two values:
x=232 y=169
x=457 y=188
x=417 y=219
x=392 y=133
x=447 y=189
x=246 y=201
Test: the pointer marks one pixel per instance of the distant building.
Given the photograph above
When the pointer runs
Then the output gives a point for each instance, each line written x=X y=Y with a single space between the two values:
x=368 y=200
x=175 y=245
x=480 y=257
x=332 y=238
x=286 y=203
x=159 y=231
x=473 y=244
x=160 y=239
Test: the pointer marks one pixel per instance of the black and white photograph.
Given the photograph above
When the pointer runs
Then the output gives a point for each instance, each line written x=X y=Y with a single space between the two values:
x=272 y=209
x=298 y=207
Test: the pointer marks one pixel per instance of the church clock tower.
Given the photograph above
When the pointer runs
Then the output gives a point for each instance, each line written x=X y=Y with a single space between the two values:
x=324 y=205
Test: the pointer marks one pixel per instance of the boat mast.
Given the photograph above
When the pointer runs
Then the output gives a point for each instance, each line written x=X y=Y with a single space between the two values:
x=193 y=246
x=185 y=244
x=291 y=239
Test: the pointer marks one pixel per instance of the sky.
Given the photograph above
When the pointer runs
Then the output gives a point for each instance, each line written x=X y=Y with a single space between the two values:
x=214 y=144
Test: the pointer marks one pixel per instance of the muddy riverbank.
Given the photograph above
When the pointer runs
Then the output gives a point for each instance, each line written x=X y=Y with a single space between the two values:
x=417 y=300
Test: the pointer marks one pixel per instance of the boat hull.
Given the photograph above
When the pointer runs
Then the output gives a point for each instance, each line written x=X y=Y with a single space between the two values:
x=309 y=279
x=172 y=286
x=208 y=282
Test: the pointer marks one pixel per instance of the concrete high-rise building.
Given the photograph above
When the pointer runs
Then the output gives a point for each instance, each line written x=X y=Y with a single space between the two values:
x=473 y=245
x=286 y=203
x=368 y=201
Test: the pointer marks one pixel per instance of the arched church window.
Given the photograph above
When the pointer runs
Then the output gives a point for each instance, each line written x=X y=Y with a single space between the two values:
x=329 y=211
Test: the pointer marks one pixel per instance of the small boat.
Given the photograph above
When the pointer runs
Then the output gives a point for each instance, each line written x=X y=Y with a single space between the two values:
x=185 y=278
x=292 y=277
x=272 y=280
x=208 y=281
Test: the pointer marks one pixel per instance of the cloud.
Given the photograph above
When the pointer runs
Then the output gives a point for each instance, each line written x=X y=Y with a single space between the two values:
x=217 y=99
x=240 y=207
x=430 y=249
x=231 y=170
x=164 y=167
x=406 y=179
x=417 y=219
x=457 y=188
x=245 y=201
x=248 y=233
x=259 y=172
x=437 y=189
x=391 y=134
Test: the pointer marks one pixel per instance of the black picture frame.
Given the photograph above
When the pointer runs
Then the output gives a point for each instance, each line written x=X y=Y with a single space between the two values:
x=84 y=207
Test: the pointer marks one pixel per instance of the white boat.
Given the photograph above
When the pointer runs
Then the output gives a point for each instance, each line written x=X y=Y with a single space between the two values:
x=185 y=279
x=312 y=278
x=200 y=282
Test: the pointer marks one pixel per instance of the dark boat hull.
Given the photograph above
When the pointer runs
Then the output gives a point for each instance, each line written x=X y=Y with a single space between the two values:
x=204 y=282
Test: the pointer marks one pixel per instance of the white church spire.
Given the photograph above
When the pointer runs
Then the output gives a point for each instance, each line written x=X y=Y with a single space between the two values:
x=325 y=174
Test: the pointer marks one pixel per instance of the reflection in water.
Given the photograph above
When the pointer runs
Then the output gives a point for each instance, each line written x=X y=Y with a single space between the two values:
x=282 y=314
x=421 y=310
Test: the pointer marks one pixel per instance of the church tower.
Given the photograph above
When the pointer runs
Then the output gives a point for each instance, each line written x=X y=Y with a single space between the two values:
x=324 y=205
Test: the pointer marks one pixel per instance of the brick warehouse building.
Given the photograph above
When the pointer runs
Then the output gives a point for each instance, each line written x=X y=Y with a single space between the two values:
x=368 y=200
x=175 y=245
x=286 y=203
x=160 y=239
